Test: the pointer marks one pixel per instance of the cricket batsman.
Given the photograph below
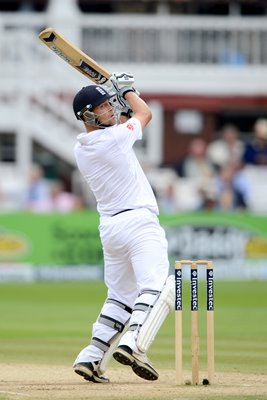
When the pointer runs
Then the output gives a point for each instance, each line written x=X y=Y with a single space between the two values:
x=140 y=293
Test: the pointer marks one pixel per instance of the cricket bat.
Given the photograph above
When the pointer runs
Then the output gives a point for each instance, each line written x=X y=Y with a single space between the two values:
x=74 y=56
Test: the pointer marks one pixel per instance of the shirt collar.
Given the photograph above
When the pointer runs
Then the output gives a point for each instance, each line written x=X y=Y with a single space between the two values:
x=86 y=137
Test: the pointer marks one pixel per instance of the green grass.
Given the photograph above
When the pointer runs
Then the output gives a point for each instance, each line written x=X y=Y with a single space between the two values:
x=51 y=322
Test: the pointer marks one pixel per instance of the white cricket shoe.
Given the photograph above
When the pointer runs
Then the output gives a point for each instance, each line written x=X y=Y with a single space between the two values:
x=140 y=364
x=90 y=372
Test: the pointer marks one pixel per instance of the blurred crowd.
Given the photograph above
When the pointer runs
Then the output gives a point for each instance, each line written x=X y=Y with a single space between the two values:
x=39 y=194
x=43 y=195
x=220 y=175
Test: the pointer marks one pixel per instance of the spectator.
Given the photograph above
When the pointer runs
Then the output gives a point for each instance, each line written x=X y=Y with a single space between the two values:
x=233 y=57
x=232 y=188
x=63 y=201
x=38 y=197
x=199 y=169
x=228 y=148
x=256 y=151
x=167 y=203
x=196 y=165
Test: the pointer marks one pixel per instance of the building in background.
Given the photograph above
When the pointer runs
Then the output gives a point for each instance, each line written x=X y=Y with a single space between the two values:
x=200 y=65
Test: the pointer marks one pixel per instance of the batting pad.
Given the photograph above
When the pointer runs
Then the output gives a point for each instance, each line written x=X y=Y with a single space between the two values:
x=108 y=354
x=163 y=306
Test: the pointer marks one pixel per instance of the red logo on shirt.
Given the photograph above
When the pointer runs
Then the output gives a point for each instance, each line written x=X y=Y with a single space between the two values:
x=130 y=126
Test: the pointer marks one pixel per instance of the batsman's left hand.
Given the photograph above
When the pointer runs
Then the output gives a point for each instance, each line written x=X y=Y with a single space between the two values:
x=118 y=84
x=122 y=79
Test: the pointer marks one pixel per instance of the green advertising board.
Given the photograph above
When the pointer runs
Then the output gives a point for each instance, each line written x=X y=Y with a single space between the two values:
x=50 y=239
x=236 y=242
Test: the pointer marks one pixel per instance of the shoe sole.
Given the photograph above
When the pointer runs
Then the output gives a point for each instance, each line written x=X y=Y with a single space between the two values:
x=89 y=375
x=144 y=371
x=123 y=357
x=84 y=372
x=141 y=369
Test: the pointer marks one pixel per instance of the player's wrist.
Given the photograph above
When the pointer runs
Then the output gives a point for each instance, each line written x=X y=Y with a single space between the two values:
x=126 y=89
x=127 y=112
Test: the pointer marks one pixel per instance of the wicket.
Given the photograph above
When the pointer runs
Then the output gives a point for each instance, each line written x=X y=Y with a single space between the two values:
x=194 y=320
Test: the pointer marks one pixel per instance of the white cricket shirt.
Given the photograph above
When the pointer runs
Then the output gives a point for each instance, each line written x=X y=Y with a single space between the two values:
x=106 y=159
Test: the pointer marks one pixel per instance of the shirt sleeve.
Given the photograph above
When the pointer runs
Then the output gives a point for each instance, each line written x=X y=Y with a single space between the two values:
x=127 y=133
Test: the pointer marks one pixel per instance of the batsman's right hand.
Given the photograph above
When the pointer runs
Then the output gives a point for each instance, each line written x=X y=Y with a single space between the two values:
x=126 y=111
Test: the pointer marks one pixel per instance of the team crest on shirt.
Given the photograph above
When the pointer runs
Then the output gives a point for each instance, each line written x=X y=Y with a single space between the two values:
x=130 y=126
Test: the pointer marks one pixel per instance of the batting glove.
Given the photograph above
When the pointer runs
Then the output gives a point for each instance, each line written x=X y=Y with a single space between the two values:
x=123 y=83
x=122 y=79
x=110 y=88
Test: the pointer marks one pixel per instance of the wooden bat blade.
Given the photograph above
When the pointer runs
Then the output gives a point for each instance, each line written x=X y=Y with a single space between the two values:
x=74 y=56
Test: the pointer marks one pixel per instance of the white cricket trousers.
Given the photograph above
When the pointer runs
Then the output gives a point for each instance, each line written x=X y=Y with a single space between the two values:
x=136 y=259
x=135 y=254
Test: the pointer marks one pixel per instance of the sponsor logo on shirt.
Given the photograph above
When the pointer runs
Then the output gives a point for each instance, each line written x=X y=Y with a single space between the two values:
x=130 y=126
